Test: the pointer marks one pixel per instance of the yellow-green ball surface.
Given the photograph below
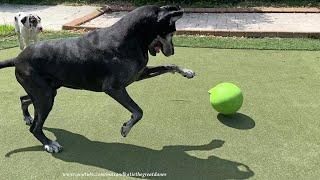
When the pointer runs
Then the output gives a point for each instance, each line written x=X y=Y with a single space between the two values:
x=226 y=98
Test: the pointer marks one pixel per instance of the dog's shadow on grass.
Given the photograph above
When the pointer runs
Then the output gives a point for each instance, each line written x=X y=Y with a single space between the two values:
x=119 y=158
x=237 y=121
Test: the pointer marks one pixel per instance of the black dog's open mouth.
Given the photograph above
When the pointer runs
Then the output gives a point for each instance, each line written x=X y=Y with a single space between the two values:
x=155 y=48
x=158 y=47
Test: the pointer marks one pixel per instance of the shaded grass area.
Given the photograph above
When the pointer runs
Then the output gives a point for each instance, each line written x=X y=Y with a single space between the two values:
x=276 y=137
x=185 y=3
x=8 y=40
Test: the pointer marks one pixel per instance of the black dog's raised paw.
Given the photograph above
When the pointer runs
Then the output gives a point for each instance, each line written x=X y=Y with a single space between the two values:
x=188 y=73
x=125 y=129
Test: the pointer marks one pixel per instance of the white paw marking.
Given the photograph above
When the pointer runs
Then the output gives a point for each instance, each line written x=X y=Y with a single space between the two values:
x=54 y=147
x=125 y=130
x=188 y=73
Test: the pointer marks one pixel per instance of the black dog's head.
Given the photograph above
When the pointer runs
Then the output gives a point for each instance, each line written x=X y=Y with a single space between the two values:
x=152 y=26
x=165 y=28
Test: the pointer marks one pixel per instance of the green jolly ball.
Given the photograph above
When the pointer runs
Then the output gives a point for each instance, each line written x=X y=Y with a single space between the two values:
x=226 y=98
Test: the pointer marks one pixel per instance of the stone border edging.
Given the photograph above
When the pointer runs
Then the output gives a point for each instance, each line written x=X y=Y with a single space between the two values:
x=234 y=10
x=253 y=10
x=251 y=34
x=75 y=24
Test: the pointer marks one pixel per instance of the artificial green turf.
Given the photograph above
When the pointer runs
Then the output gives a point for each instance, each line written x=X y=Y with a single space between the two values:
x=276 y=137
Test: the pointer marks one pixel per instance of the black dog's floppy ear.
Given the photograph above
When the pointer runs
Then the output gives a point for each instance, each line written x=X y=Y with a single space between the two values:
x=170 y=14
x=23 y=20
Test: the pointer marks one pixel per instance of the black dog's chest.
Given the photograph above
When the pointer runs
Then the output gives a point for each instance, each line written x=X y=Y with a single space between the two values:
x=134 y=72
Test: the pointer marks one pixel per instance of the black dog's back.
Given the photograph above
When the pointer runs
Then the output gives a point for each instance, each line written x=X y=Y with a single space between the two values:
x=71 y=63
x=101 y=56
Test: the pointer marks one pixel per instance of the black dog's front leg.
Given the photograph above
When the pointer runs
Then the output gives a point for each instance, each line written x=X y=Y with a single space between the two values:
x=122 y=97
x=150 y=72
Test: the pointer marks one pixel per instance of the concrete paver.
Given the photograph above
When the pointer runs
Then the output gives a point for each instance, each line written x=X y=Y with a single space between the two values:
x=266 y=22
x=53 y=17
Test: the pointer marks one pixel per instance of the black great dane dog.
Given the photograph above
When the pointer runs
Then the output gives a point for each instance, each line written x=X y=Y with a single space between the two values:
x=105 y=60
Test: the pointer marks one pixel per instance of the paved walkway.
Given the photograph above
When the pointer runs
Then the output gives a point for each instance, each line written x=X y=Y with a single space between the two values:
x=53 y=17
x=266 y=22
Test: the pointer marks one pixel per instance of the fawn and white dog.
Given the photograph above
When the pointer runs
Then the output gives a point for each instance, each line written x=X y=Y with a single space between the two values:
x=27 y=26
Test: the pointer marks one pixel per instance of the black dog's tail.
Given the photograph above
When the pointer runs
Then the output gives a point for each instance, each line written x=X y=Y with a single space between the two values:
x=7 y=63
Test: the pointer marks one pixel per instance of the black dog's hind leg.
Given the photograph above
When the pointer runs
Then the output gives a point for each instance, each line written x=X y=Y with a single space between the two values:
x=43 y=101
x=25 y=102
x=122 y=97
x=42 y=96
x=150 y=72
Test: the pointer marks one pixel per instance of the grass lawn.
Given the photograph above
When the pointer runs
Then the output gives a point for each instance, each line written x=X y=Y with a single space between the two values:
x=6 y=30
x=8 y=39
x=276 y=136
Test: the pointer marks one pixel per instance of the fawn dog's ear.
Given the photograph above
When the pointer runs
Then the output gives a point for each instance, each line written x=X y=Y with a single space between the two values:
x=24 y=19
